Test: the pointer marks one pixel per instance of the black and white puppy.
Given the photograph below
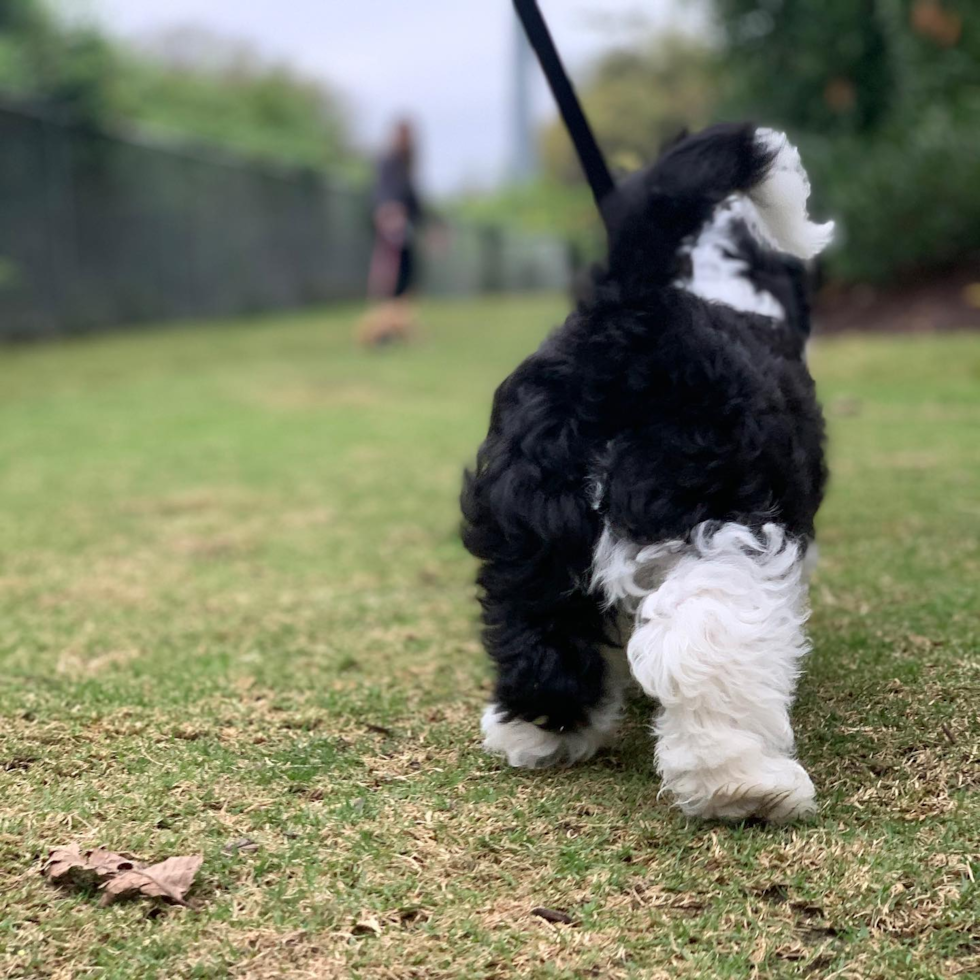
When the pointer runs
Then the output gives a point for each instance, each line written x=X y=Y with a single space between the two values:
x=658 y=462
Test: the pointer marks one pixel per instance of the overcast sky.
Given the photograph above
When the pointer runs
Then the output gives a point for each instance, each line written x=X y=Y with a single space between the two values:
x=444 y=62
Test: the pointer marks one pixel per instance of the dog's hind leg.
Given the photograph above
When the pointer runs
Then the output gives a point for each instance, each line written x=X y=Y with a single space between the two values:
x=719 y=645
x=530 y=518
x=559 y=685
x=536 y=743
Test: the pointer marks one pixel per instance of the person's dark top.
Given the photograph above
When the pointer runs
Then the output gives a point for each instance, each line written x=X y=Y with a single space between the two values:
x=393 y=182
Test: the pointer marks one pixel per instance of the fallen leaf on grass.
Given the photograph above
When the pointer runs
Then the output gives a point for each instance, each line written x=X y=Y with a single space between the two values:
x=121 y=875
x=925 y=642
x=107 y=863
x=97 y=864
x=62 y=860
x=169 y=879
x=553 y=915
x=368 y=926
x=20 y=762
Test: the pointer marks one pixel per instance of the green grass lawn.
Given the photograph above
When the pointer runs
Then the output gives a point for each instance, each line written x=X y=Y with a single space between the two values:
x=233 y=604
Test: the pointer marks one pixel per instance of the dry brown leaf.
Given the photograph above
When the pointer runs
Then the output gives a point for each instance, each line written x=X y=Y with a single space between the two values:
x=368 y=926
x=171 y=879
x=107 y=863
x=122 y=875
x=556 y=916
x=62 y=860
x=71 y=864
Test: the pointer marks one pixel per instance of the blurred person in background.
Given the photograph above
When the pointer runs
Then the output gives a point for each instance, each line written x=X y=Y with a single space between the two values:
x=397 y=214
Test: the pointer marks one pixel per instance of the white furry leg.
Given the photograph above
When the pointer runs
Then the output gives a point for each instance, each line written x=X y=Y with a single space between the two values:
x=527 y=746
x=719 y=644
x=781 y=200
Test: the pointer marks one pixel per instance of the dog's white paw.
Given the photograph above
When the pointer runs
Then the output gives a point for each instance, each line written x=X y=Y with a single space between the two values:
x=770 y=788
x=526 y=746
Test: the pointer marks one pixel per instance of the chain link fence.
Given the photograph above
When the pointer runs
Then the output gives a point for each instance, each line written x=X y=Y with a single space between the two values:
x=99 y=230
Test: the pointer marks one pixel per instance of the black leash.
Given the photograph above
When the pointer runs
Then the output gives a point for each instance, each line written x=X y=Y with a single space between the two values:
x=589 y=154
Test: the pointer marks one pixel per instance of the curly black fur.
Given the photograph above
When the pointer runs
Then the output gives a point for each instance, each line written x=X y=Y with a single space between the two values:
x=680 y=410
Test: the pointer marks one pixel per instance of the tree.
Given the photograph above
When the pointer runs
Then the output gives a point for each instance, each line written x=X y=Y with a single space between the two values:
x=637 y=99
x=848 y=65
x=884 y=98
x=820 y=66
x=232 y=97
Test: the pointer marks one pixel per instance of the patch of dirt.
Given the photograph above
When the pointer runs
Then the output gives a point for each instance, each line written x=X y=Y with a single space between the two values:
x=919 y=303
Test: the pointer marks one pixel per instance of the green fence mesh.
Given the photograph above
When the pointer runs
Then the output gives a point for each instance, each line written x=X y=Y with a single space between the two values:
x=99 y=230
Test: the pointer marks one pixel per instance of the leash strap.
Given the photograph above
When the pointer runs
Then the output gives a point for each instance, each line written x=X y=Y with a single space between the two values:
x=589 y=154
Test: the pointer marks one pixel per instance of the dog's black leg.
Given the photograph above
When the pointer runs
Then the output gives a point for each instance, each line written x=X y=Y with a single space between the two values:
x=529 y=519
x=556 y=698
x=557 y=694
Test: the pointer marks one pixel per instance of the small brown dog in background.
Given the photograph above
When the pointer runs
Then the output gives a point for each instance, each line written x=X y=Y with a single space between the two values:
x=392 y=321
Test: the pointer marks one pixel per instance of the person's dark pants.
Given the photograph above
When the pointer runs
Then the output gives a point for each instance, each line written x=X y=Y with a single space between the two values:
x=406 y=272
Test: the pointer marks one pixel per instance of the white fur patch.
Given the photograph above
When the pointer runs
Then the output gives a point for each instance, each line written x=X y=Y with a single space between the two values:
x=718 y=276
x=625 y=572
x=718 y=643
x=755 y=784
x=781 y=197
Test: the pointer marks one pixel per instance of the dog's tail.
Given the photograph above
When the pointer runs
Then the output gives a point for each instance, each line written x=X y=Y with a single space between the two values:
x=655 y=211
x=780 y=199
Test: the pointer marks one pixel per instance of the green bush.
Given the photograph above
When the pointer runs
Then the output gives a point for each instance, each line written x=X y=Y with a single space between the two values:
x=902 y=204
x=251 y=106
x=884 y=99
